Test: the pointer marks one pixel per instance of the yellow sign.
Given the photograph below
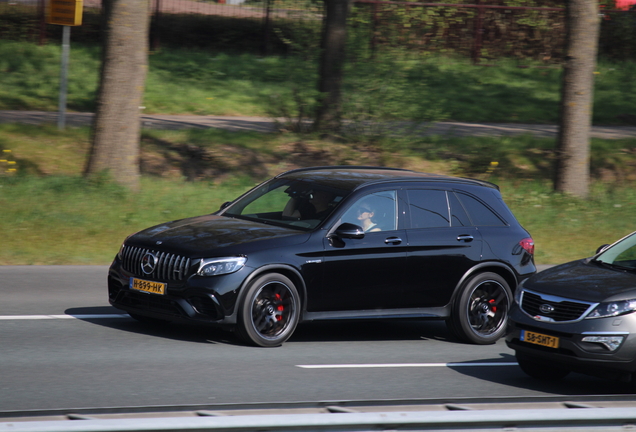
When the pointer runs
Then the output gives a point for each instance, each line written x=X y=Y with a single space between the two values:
x=65 y=12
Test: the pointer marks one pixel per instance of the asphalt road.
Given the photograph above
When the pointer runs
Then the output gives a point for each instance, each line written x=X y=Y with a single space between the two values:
x=63 y=347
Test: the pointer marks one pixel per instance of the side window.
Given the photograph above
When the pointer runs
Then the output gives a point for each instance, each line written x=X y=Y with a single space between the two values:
x=458 y=214
x=479 y=213
x=374 y=212
x=428 y=208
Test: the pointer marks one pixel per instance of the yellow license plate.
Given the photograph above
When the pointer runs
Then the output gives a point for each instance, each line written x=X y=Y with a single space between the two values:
x=540 y=339
x=147 y=286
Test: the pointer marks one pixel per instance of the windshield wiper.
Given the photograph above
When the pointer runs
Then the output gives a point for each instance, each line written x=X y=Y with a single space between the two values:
x=612 y=265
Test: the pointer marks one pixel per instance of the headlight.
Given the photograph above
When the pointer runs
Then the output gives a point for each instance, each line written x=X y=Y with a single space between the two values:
x=611 y=309
x=220 y=266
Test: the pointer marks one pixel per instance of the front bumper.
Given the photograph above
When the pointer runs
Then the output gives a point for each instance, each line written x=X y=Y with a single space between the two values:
x=204 y=300
x=573 y=352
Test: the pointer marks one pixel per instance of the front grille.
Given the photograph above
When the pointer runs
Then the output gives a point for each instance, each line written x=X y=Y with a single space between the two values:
x=564 y=309
x=168 y=267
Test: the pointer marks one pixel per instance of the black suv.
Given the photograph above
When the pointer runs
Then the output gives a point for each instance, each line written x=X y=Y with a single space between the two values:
x=333 y=243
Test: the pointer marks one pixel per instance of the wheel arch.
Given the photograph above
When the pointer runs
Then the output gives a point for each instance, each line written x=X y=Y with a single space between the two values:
x=286 y=270
x=493 y=267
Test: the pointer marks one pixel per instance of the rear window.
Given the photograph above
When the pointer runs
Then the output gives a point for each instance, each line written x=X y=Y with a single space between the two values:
x=479 y=213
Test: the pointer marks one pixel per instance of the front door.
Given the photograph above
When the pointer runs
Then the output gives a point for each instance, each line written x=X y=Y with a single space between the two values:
x=366 y=273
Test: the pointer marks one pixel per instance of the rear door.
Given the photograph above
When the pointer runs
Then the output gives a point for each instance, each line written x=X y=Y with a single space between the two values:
x=442 y=245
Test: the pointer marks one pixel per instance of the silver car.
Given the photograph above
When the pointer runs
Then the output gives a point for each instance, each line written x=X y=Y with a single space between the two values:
x=579 y=317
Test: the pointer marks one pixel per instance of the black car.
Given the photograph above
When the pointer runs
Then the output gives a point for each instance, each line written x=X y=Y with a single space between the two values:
x=579 y=316
x=333 y=243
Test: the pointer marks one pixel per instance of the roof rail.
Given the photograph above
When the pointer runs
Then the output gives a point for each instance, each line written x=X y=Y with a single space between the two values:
x=340 y=167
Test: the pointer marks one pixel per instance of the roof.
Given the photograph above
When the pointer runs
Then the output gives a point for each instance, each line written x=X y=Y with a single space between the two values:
x=355 y=176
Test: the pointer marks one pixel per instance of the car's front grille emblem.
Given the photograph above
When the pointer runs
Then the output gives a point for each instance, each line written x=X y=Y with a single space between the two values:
x=148 y=263
x=546 y=308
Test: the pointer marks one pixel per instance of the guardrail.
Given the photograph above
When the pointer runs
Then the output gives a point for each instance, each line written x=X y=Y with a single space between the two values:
x=546 y=420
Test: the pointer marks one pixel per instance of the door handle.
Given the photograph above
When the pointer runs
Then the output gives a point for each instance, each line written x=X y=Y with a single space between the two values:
x=393 y=240
x=465 y=238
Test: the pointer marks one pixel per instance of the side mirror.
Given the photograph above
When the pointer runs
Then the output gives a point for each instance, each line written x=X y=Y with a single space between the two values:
x=225 y=205
x=601 y=249
x=349 y=230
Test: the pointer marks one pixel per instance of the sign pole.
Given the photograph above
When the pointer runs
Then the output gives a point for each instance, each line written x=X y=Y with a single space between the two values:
x=66 y=43
x=65 y=13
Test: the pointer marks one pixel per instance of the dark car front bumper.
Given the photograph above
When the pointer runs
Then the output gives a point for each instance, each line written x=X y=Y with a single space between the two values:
x=573 y=352
x=204 y=300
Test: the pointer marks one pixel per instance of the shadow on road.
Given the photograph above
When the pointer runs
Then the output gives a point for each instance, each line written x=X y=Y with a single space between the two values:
x=330 y=331
x=513 y=376
x=372 y=330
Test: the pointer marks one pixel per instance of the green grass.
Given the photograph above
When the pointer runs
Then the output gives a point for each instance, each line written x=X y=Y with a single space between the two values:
x=51 y=215
x=213 y=83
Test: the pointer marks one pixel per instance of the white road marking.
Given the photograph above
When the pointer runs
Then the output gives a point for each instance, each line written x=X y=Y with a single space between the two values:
x=402 y=365
x=46 y=317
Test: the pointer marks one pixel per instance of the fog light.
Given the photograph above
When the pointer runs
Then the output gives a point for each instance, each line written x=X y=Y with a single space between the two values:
x=610 y=342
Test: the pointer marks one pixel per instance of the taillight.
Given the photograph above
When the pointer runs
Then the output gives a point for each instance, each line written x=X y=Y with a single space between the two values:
x=528 y=245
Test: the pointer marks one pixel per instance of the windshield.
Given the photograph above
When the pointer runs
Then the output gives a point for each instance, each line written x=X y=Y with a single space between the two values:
x=294 y=203
x=621 y=254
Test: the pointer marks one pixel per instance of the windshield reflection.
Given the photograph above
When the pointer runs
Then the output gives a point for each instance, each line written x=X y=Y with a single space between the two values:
x=294 y=203
x=622 y=254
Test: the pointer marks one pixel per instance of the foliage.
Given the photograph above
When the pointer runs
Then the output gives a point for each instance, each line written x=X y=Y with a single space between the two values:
x=506 y=33
x=618 y=35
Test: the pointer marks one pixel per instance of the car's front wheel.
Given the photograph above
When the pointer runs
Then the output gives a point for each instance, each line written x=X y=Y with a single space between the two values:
x=270 y=311
x=480 y=313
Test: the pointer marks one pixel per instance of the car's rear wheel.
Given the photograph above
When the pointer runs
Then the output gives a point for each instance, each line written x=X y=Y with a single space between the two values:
x=541 y=370
x=270 y=311
x=480 y=313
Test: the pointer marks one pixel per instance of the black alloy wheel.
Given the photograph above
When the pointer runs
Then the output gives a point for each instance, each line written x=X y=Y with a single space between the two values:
x=270 y=311
x=480 y=314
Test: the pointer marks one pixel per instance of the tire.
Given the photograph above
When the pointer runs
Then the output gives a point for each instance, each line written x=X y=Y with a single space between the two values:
x=480 y=313
x=269 y=312
x=540 y=370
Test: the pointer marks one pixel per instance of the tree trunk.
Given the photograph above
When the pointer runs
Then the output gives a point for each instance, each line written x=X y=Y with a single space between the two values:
x=116 y=128
x=572 y=172
x=332 y=61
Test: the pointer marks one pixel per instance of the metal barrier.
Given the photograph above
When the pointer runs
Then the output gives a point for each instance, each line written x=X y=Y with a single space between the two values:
x=546 y=420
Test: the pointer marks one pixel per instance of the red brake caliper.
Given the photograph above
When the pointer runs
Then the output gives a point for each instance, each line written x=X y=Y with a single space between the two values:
x=492 y=302
x=280 y=307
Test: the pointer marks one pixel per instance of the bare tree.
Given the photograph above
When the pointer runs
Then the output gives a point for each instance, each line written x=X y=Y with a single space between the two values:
x=116 y=128
x=332 y=61
x=572 y=174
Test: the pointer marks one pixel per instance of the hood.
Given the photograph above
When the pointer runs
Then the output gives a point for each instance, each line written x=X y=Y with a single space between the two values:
x=584 y=280
x=200 y=236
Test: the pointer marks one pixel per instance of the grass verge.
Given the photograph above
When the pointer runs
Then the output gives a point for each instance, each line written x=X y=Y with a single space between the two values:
x=51 y=215
x=410 y=87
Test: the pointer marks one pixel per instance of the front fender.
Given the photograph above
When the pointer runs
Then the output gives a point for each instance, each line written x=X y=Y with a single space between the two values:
x=285 y=269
